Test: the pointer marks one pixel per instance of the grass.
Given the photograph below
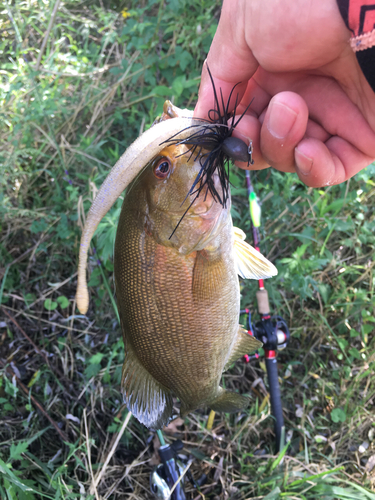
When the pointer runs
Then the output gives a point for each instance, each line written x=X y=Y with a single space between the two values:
x=79 y=81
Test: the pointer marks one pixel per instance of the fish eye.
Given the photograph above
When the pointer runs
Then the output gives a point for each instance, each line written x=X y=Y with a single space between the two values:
x=162 y=168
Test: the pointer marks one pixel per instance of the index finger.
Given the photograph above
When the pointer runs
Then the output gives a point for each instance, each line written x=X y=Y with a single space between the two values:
x=230 y=61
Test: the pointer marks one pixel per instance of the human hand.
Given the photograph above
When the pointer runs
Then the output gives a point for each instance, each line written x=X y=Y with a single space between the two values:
x=313 y=111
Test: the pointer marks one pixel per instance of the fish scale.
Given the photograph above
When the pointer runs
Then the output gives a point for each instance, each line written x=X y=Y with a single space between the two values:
x=170 y=326
x=179 y=308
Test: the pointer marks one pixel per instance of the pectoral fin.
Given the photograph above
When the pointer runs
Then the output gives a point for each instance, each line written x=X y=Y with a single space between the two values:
x=229 y=402
x=149 y=401
x=244 y=344
x=250 y=263
x=207 y=277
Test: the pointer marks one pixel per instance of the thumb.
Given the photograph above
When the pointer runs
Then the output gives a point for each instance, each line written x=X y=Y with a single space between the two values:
x=230 y=61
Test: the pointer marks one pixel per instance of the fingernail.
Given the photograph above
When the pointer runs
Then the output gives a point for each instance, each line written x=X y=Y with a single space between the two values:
x=281 y=120
x=303 y=163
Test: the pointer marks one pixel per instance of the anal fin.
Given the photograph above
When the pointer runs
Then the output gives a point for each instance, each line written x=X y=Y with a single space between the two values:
x=229 y=402
x=148 y=400
x=244 y=343
x=185 y=408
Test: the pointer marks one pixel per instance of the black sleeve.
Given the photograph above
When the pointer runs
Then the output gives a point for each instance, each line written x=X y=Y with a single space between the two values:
x=359 y=17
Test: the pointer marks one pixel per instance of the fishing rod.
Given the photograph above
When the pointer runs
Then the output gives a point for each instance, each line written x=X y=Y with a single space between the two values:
x=271 y=330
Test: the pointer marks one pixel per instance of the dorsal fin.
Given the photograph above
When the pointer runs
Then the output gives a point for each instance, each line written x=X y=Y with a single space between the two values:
x=250 y=263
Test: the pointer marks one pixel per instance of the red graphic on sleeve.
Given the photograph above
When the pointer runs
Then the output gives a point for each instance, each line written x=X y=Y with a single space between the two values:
x=361 y=16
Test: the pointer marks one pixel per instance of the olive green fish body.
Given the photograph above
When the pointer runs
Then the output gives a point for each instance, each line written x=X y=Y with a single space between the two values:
x=178 y=299
x=179 y=313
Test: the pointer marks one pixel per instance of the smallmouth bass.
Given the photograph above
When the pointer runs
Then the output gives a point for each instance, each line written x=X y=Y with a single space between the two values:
x=178 y=296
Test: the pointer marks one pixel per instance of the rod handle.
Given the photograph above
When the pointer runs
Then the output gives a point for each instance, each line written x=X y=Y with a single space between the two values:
x=262 y=301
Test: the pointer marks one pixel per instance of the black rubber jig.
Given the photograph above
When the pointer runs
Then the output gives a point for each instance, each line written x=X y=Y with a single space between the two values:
x=216 y=138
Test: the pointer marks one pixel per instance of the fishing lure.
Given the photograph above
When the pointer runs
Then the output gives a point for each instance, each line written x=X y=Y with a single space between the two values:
x=214 y=145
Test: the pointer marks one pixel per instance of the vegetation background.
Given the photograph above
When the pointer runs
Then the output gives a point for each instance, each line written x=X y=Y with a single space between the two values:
x=79 y=81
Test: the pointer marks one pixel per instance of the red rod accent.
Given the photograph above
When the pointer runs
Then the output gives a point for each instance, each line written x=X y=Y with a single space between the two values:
x=270 y=354
x=261 y=284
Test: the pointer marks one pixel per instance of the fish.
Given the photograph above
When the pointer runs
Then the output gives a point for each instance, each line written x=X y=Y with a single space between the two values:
x=177 y=290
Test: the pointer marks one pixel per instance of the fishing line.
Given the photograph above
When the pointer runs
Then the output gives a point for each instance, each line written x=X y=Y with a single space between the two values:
x=271 y=330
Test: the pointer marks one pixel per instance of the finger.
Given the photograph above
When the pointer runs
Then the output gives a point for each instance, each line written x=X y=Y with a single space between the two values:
x=230 y=60
x=256 y=96
x=284 y=126
x=328 y=104
x=313 y=129
x=340 y=117
x=250 y=131
x=215 y=93
x=316 y=131
x=319 y=164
